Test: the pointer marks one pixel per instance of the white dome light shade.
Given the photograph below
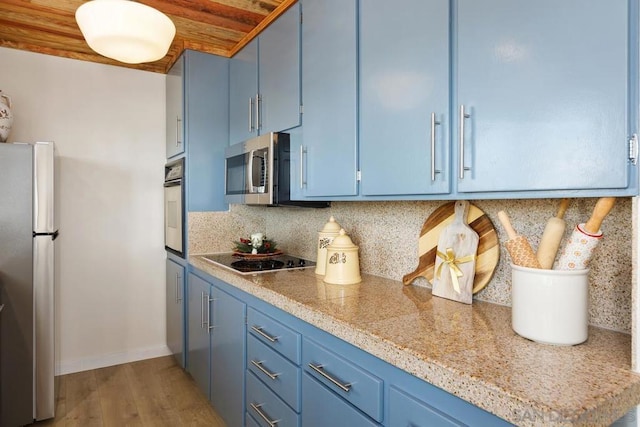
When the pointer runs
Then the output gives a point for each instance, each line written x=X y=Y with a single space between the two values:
x=125 y=30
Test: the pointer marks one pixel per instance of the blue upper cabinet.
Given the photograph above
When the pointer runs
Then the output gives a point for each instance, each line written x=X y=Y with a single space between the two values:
x=264 y=81
x=175 y=108
x=206 y=129
x=243 y=87
x=543 y=95
x=468 y=99
x=279 y=73
x=198 y=125
x=329 y=87
x=404 y=97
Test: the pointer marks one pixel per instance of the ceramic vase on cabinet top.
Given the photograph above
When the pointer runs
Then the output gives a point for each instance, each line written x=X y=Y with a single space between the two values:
x=6 y=117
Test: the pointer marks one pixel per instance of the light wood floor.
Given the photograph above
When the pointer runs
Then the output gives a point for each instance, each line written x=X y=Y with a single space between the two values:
x=154 y=392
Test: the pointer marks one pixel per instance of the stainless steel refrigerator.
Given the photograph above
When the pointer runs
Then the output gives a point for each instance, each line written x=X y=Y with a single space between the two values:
x=27 y=242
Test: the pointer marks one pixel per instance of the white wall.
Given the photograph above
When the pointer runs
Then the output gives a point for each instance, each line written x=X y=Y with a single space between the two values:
x=108 y=125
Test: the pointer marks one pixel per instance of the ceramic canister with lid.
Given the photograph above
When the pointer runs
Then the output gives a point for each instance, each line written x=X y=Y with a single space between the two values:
x=325 y=237
x=343 y=266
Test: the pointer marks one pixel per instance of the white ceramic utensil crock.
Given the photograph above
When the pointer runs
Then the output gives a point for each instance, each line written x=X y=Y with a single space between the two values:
x=325 y=237
x=343 y=265
x=550 y=306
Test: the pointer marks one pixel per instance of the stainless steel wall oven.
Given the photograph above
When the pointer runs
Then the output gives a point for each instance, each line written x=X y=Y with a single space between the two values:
x=174 y=213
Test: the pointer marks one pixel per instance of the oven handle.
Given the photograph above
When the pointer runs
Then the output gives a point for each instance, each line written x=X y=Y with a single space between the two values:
x=173 y=183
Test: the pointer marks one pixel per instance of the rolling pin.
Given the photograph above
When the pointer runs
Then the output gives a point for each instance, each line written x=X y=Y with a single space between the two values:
x=585 y=237
x=551 y=237
x=518 y=246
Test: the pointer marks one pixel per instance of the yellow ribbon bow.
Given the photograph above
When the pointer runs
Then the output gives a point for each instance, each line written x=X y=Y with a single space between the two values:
x=450 y=260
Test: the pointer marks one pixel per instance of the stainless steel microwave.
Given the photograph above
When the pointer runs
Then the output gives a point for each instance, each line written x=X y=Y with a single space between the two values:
x=258 y=172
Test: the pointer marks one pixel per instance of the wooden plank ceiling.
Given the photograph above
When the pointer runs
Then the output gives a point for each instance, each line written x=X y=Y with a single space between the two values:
x=220 y=27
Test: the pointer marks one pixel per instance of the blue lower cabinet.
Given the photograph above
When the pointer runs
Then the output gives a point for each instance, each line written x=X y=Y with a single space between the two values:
x=321 y=407
x=274 y=334
x=250 y=422
x=175 y=309
x=280 y=375
x=406 y=410
x=227 y=355
x=198 y=338
x=267 y=408
x=347 y=380
x=216 y=346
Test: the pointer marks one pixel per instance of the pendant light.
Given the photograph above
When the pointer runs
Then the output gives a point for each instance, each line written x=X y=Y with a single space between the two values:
x=125 y=30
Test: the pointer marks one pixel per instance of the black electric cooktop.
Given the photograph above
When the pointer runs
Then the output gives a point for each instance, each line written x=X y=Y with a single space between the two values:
x=253 y=265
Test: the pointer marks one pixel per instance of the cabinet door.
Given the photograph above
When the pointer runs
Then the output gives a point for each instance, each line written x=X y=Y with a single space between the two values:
x=404 y=97
x=243 y=88
x=206 y=131
x=198 y=332
x=316 y=399
x=545 y=86
x=175 y=309
x=329 y=86
x=279 y=73
x=227 y=356
x=174 y=109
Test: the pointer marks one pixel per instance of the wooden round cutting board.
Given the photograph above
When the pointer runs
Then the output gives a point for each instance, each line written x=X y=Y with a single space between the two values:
x=487 y=255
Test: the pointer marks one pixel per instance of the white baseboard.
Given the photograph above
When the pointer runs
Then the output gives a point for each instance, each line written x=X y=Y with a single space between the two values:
x=78 y=365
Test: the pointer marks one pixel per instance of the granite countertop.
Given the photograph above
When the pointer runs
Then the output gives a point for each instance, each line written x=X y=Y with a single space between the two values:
x=467 y=350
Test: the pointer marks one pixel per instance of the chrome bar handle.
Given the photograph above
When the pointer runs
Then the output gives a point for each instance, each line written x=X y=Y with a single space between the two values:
x=272 y=423
x=434 y=123
x=258 y=118
x=259 y=330
x=302 y=153
x=251 y=114
x=178 y=299
x=202 y=323
x=178 y=121
x=319 y=369
x=462 y=168
x=210 y=301
x=264 y=370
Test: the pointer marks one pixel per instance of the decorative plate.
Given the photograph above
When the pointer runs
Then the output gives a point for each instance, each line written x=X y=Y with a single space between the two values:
x=257 y=256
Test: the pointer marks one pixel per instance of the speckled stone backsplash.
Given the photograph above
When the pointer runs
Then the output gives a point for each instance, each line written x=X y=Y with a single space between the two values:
x=387 y=234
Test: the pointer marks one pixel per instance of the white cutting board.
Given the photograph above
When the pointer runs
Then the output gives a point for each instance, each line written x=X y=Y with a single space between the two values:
x=462 y=241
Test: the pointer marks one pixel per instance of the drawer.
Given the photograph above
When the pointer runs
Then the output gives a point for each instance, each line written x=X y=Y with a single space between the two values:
x=407 y=410
x=265 y=407
x=359 y=387
x=274 y=334
x=249 y=421
x=279 y=374
x=321 y=408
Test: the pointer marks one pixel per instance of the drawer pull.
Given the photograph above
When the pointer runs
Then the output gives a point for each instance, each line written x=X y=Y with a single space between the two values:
x=259 y=330
x=272 y=423
x=319 y=369
x=264 y=370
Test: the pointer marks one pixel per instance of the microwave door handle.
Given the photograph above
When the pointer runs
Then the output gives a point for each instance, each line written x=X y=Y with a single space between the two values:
x=265 y=169
x=250 y=171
